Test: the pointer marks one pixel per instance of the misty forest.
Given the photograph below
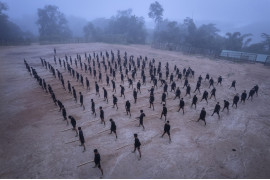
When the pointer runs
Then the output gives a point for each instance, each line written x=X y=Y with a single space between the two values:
x=125 y=27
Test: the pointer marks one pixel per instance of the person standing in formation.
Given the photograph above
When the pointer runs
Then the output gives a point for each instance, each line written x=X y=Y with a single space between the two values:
x=167 y=128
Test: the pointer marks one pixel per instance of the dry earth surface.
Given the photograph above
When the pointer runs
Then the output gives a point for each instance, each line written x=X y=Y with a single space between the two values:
x=33 y=146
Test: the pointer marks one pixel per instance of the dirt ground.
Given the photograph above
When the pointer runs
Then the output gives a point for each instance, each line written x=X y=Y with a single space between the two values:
x=34 y=146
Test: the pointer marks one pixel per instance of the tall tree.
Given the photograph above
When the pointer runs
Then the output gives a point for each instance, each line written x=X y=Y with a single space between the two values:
x=156 y=12
x=52 y=24
x=236 y=41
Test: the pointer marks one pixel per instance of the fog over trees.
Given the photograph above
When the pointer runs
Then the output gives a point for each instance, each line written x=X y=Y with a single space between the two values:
x=125 y=27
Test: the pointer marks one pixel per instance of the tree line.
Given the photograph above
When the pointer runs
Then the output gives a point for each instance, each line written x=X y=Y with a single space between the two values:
x=127 y=28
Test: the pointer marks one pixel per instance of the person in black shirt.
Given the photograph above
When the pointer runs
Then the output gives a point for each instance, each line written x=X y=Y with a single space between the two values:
x=167 y=128
x=64 y=113
x=115 y=101
x=219 y=80
x=137 y=145
x=69 y=87
x=211 y=82
x=113 y=127
x=163 y=98
x=177 y=93
x=202 y=116
x=235 y=100
x=217 y=109
x=198 y=85
x=122 y=91
x=60 y=105
x=226 y=105
x=188 y=90
x=164 y=112
x=141 y=119
x=81 y=100
x=151 y=101
x=233 y=84
x=105 y=94
x=194 y=101
x=113 y=85
x=243 y=96
x=73 y=123
x=97 y=161
x=74 y=93
x=93 y=107
x=205 y=96
x=213 y=93
x=251 y=93
x=128 y=108
x=139 y=86
x=101 y=115
x=97 y=89
x=81 y=137
x=181 y=105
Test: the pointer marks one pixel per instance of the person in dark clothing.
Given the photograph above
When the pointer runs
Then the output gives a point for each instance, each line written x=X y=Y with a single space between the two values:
x=198 y=85
x=251 y=93
x=73 y=123
x=151 y=101
x=122 y=91
x=165 y=88
x=69 y=87
x=163 y=98
x=173 y=86
x=81 y=100
x=243 y=96
x=205 y=96
x=74 y=93
x=93 y=107
x=135 y=95
x=188 y=90
x=113 y=127
x=233 y=84
x=101 y=115
x=105 y=94
x=115 y=101
x=97 y=161
x=113 y=85
x=219 y=80
x=177 y=93
x=206 y=77
x=202 y=116
x=137 y=145
x=97 y=89
x=186 y=82
x=226 y=105
x=213 y=93
x=182 y=105
x=87 y=84
x=81 y=137
x=64 y=113
x=167 y=128
x=128 y=108
x=217 y=109
x=139 y=86
x=211 y=82
x=60 y=105
x=164 y=112
x=256 y=88
x=235 y=100
x=141 y=119
x=194 y=101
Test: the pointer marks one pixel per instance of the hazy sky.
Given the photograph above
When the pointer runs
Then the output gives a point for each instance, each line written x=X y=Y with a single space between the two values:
x=240 y=11
x=236 y=13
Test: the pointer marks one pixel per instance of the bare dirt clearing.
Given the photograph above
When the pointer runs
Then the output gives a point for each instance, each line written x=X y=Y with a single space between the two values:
x=33 y=146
